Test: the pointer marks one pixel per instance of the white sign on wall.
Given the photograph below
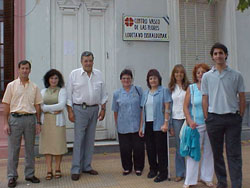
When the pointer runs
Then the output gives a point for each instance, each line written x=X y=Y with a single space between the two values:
x=142 y=28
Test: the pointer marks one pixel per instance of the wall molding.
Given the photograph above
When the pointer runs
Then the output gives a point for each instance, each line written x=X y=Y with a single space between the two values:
x=96 y=7
x=69 y=6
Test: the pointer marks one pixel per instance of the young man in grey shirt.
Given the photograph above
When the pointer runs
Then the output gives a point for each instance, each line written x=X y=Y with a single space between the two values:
x=223 y=106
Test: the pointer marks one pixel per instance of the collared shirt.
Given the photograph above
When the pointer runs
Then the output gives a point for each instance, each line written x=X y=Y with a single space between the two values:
x=178 y=96
x=222 y=89
x=127 y=105
x=160 y=97
x=22 y=98
x=84 y=89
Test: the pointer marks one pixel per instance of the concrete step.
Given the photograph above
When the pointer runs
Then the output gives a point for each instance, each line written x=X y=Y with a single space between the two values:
x=104 y=146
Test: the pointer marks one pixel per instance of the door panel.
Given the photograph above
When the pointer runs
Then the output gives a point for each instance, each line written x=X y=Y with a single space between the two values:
x=77 y=26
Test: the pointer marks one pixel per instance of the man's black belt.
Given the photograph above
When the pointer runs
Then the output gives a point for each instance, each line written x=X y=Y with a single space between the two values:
x=20 y=115
x=84 y=105
x=236 y=113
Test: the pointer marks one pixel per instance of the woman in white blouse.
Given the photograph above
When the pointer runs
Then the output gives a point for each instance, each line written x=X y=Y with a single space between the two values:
x=178 y=85
x=53 y=135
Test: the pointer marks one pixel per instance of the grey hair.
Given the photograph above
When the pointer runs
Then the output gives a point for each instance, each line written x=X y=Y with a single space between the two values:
x=86 y=54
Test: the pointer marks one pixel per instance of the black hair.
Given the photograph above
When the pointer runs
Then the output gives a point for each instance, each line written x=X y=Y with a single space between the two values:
x=24 y=62
x=126 y=72
x=219 y=46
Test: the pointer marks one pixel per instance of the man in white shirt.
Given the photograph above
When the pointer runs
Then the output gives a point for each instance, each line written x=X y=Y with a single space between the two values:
x=85 y=92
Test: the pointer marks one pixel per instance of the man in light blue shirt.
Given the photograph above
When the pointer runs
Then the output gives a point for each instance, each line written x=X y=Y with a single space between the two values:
x=223 y=104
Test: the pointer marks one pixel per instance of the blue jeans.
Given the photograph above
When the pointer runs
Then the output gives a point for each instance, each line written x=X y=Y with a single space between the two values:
x=226 y=128
x=179 y=160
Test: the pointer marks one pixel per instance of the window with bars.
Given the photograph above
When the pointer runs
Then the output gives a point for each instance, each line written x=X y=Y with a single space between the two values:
x=6 y=43
x=198 y=33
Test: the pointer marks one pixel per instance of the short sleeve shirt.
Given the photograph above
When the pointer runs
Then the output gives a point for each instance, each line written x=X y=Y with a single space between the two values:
x=22 y=98
x=222 y=90
x=127 y=104
x=160 y=97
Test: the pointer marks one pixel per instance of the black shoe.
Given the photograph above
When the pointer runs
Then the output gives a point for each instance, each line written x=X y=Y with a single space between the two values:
x=75 y=177
x=91 y=172
x=221 y=185
x=152 y=174
x=126 y=172
x=12 y=182
x=138 y=172
x=33 y=179
x=160 y=178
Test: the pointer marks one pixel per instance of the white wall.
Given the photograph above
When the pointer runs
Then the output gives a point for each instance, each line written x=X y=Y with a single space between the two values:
x=243 y=44
x=140 y=56
x=233 y=31
x=38 y=38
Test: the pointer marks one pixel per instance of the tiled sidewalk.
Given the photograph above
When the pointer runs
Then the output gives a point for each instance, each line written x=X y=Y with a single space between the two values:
x=110 y=174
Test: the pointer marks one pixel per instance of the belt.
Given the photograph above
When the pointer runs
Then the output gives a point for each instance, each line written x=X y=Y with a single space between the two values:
x=20 y=115
x=84 y=105
x=227 y=114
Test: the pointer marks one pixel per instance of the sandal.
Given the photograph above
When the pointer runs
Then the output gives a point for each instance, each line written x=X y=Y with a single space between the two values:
x=49 y=176
x=185 y=186
x=58 y=174
x=207 y=183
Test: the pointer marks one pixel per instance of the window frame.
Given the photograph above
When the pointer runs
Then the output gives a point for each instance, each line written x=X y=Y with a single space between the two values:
x=8 y=43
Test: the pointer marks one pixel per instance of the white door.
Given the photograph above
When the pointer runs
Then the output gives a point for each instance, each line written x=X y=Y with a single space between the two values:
x=77 y=26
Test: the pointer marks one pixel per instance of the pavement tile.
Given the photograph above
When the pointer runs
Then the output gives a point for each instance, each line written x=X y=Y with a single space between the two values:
x=110 y=174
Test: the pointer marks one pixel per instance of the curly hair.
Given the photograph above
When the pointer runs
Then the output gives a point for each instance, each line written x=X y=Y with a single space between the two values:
x=153 y=72
x=50 y=73
x=172 y=82
x=196 y=67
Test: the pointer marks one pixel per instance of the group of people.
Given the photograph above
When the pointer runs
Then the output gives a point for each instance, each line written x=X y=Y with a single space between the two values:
x=27 y=112
x=212 y=107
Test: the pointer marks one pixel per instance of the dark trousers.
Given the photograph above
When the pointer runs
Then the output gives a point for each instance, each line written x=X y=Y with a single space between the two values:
x=226 y=127
x=132 y=150
x=156 y=145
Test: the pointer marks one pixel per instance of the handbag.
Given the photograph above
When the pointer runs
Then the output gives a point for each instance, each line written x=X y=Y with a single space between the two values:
x=184 y=125
x=190 y=139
